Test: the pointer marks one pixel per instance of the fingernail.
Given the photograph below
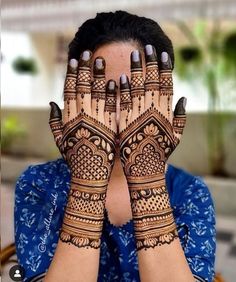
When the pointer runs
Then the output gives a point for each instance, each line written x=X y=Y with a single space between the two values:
x=86 y=55
x=136 y=61
x=164 y=57
x=135 y=56
x=166 y=61
x=124 y=82
x=123 y=79
x=85 y=59
x=99 y=66
x=73 y=63
x=99 y=63
x=150 y=53
x=149 y=49
x=111 y=85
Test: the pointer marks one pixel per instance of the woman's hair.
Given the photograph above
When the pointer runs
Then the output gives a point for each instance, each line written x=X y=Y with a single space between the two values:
x=119 y=26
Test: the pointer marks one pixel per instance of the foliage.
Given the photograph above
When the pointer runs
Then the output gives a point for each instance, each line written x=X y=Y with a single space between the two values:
x=229 y=54
x=211 y=57
x=11 y=132
x=25 y=65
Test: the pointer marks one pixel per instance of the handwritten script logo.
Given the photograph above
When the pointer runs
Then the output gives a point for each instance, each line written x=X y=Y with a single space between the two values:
x=47 y=222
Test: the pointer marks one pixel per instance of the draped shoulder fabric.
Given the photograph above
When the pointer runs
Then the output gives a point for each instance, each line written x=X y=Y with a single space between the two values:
x=40 y=200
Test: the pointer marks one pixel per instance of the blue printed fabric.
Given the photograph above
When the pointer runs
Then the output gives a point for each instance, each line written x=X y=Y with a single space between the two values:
x=40 y=199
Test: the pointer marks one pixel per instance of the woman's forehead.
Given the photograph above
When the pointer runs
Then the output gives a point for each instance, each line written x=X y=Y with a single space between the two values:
x=117 y=57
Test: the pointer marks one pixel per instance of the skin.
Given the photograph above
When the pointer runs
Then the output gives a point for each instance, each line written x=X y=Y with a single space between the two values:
x=118 y=199
x=161 y=264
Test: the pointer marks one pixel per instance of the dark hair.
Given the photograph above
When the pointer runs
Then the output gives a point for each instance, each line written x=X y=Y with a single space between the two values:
x=119 y=26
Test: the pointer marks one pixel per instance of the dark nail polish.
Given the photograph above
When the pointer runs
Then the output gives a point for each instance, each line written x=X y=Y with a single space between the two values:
x=165 y=61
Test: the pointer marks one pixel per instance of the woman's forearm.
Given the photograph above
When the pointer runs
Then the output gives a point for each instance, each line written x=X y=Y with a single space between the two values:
x=160 y=255
x=164 y=263
x=73 y=264
x=77 y=254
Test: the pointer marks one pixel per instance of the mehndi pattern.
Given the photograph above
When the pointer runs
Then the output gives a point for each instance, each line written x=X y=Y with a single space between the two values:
x=145 y=147
x=88 y=146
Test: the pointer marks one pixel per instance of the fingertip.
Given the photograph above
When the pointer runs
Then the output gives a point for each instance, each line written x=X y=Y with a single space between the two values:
x=73 y=63
x=110 y=101
x=180 y=108
x=111 y=86
x=99 y=66
x=124 y=82
x=136 y=60
x=55 y=111
x=150 y=53
x=166 y=63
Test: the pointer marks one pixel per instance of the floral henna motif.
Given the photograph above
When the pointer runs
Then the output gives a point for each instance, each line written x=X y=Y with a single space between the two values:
x=145 y=147
x=89 y=149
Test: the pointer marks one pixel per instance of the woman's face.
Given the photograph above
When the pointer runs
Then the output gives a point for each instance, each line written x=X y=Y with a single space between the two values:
x=117 y=57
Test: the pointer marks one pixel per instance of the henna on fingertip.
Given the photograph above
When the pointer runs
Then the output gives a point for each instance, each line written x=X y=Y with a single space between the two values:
x=137 y=82
x=99 y=85
x=179 y=119
x=110 y=102
x=151 y=78
x=70 y=90
x=166 y=81
x=83 y=89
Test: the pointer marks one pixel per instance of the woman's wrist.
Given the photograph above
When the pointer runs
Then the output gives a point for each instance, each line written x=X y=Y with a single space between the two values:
x=153 y=218
x=84 y=215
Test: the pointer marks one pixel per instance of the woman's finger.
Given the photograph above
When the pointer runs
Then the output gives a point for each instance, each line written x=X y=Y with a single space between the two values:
x=83 y=89
x=137 y=84
x=55 y=122
x=70 y=91
x=152 y=78
x=99 y=89
x=179 y=119
x=166 y=86
x=125 y=103
x=110 y=105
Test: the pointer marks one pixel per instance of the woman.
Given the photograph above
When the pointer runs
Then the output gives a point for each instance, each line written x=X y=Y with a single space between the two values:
x=112 y=209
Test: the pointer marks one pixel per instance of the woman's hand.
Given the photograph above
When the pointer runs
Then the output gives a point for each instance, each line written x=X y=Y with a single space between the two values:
x=149 y=134
x=86 y=140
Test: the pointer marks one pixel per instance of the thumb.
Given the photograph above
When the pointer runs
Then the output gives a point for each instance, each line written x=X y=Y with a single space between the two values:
x=179 y=119
x=55 y=123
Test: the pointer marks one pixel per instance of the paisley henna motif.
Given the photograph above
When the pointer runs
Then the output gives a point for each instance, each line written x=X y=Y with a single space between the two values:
x=88 y=147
